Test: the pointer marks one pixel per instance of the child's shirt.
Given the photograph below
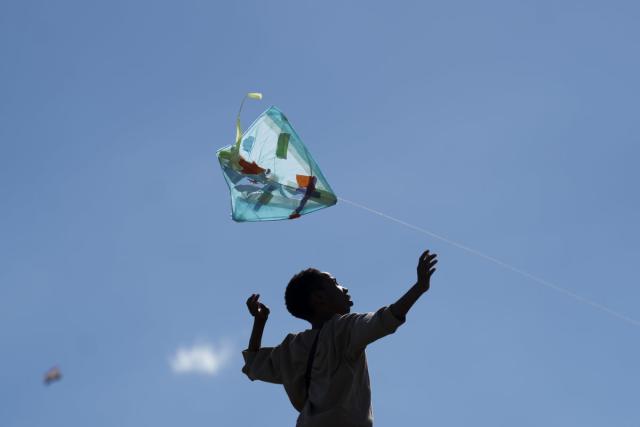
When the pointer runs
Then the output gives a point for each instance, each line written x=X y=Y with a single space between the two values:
x=339 y=392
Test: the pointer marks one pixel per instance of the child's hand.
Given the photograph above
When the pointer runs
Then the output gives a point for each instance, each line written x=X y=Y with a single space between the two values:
x=257 y=309
x=426 y=268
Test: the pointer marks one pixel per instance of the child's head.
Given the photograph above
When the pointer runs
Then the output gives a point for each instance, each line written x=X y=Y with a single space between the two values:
x=314 y=295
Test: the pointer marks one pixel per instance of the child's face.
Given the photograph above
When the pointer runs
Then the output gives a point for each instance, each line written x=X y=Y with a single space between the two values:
x=336 y=298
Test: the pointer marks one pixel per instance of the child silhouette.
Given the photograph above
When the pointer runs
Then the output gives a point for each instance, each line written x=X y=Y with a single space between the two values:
x=324 y=369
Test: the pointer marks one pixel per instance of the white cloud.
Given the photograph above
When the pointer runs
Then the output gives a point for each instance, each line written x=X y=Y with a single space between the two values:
x=200 y=359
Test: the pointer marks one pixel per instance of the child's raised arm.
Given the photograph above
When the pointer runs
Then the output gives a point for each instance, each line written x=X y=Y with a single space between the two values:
x=426 y=267
x=260 y=313
x=261 y=363
x=365 y=328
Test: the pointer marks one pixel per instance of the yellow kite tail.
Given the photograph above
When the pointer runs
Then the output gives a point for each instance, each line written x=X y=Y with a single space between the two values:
x=250 y=95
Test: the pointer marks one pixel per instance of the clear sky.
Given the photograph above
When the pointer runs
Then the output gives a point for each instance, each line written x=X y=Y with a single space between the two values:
x=510 y=126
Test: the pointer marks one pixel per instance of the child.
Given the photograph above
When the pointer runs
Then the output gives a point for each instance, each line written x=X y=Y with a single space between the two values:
x=324 y=369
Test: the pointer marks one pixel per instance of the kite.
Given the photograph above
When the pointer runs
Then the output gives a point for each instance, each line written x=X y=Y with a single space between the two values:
x=52 y=375
x=270 y=173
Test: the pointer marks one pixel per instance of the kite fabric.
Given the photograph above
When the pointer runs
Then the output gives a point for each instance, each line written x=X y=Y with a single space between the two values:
x=270 y=173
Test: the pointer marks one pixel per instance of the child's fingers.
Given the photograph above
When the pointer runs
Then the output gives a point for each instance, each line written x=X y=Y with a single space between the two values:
x=427 y=256
x=252 y=303
x=427 y=263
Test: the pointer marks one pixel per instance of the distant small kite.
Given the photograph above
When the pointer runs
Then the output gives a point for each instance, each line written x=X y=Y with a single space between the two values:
x=54 y=374
x=270 y=173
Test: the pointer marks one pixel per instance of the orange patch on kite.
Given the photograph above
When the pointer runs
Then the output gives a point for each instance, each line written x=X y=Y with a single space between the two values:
x=304 y=180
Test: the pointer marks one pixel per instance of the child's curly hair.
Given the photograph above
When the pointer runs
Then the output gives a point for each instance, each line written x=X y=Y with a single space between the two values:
x=298 y=293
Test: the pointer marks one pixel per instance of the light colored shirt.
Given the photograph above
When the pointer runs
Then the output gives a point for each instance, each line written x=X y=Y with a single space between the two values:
x=339 y=392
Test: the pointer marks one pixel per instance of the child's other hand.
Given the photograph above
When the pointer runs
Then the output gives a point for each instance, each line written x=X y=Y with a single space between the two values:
x=256 y=308
x=426 y=268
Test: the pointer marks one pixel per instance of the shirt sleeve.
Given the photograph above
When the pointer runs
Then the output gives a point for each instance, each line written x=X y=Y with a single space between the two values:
x=263 y=364
x=266 y=363
x=365 y=328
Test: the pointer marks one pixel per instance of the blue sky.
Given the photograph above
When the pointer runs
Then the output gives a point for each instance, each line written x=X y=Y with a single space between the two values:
x=508 y=126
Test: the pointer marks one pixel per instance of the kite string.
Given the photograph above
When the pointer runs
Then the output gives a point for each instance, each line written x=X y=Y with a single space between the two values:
x=503 y=264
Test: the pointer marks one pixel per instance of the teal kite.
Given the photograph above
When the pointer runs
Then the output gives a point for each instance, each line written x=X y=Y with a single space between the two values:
x=270 y=173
